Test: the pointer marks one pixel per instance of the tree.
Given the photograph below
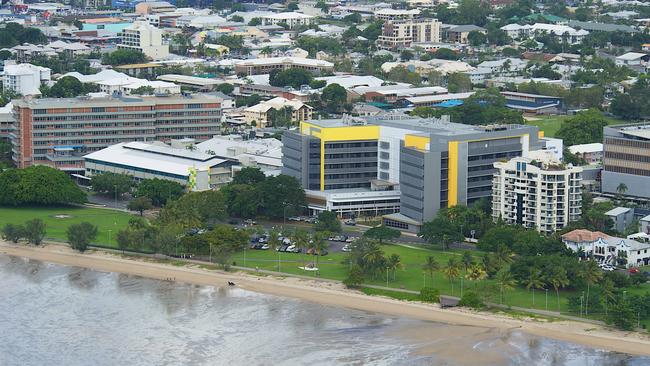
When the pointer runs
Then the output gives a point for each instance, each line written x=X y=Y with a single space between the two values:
x=225 y=88
x=382 y=233
x=452 y=272
x=505 y=281
x=534 y=281
x=242 y=200
x=281 y=195
x=558 y=279
x=446 y=54
x=38 y=185
x=293 y=6
x=591 y=274
x=584 y=128
x=458 y=83
x=143 y=90
x=440 y=230
x=319 y=246
x=13 y=232
x=123 y=57
x=334 y=97
x=249 y=175
x=275 y=242
x=81 y=235
x=194 y=210
x=255 y=22
x=300 y=238
x=294 y=77
x=621 y=188
x=476 y=38
x=224 y=241
x=354 y=18
x=111 y=184
x=35 y=231
x=140 y=204
x=406 y=55
x=476 y=272
x=237 y=18
x=354 y=278
x=68 y=87
x=393 y=263
x=401 y=74
x=431 y=265
x=328 y=222
x=159 y=191
x=373 y=259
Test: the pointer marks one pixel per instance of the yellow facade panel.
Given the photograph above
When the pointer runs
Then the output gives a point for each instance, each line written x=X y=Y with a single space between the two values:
x=452 y=174
x=418 y=142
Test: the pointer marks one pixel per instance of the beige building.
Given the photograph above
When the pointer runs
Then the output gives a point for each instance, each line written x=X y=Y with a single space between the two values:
x=260 y=66
x=396 y=14
x=145 y=38
x=154 y=7
x=260 y=113
x=399 y=34
x=537 y=193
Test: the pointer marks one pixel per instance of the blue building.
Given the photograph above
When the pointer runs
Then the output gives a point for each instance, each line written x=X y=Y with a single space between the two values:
x=534 y=103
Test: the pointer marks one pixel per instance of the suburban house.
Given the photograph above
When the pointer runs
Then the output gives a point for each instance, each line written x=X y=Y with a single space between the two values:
x=260 y=113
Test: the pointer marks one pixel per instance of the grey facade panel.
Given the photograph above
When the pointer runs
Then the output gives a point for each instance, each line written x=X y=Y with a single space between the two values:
x=637 y=185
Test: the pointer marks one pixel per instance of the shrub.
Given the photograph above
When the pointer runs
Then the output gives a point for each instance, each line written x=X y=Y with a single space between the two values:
x=35 y=231
x=13 y=232
x=430 y=294
x=472 y=300
x=354 y=278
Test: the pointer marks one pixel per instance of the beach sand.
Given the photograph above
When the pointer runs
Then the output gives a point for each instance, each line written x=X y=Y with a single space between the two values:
x=329 y=293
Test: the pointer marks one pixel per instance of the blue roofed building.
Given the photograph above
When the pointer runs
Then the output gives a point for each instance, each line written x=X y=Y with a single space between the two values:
x=534 y=103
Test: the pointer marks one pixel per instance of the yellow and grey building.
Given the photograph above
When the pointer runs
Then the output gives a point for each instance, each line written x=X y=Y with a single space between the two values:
x=439 y=164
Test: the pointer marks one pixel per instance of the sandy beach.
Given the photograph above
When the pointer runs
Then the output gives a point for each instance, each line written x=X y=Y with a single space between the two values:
x=337 y=295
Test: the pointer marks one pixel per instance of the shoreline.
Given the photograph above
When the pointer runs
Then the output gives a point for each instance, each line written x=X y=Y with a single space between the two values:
x=335 y=294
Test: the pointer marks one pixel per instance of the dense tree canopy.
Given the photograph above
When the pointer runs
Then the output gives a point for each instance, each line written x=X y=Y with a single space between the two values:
x=13 y=34
x=586 y=127
x=123 y=57
x=294 y=77
x=38 y=185
x=159 y=191
x=111 y=183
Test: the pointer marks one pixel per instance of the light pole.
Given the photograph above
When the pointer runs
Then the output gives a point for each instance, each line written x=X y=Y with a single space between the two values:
x=581 y=297
x=109 y=237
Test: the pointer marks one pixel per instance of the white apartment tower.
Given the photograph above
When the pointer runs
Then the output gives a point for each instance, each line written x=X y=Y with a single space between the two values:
x=25 y=79
x=398 y=34
x=543 y=194
x=144 y=37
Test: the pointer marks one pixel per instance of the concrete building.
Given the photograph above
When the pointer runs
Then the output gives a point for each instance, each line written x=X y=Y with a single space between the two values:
x=291 y=19
x=591 y=153
x=399 y=34
x=145 y=38
x=260 y=113
x=58 y=132
x=6 y=120
x=622 y=218
x=265 y=153
x=563 y=32
x=533 y=103
x=195 y=170
x=266 y=65
x=541 y=194
x=25 y=79
x=459 y=33
x=626 y=160
x=153 y=7
x=389 y=14
x=412 y=166
x=633 y=59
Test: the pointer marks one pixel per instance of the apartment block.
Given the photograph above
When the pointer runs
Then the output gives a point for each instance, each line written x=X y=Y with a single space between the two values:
x=537 y=193
x=398 y=34
x=145 y=38
x=626 y=160
x=59 y=132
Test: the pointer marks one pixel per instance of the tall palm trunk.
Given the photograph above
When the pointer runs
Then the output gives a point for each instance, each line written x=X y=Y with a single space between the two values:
x=533 y=296
x=587 y=300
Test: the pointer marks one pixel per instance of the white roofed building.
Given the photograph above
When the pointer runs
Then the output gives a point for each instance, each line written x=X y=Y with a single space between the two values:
x=266 y=65
x=260 y=113
x=291 y=19
x=25 y=79
x=145 y=38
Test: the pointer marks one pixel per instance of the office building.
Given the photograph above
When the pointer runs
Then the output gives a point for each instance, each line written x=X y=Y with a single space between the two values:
x=144 y=37
x=25 y=79
x=195 y=170
x=389 y=14
x=537 y=192
x=401 y=167
x=626 y=160
x=58 y=132
x=266 y=65
x=399 y=34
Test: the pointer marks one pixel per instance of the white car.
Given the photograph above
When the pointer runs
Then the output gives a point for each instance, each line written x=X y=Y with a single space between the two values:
x=291 y=248
x=346 y=248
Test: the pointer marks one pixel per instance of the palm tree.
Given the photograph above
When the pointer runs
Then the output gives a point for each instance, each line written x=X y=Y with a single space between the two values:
x=274 y=243
x=374 y=259
x=591 y=273
x=558 y=279
x=300 y=238
x=394 y=262
x=607 y=289
x=451 y=271
x=466 y=260
x=621 y=189
x=534 y=281
x=431 y=265
x=503 y=255
x=267 y=50
x=505 y=281
x=476 y=272
x=319 y=245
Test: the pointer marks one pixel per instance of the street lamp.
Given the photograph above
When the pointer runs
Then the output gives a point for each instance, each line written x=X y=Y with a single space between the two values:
x=546 y=299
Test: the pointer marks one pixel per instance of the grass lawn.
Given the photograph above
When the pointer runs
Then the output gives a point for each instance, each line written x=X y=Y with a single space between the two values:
x=411 y=277
x=56 y=226
x=551 y=124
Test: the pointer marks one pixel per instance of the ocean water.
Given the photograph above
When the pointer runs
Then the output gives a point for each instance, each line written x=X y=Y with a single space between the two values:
x=57 y=315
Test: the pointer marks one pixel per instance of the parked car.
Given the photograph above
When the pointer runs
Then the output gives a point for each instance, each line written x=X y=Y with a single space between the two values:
x=350 y=239
x=607 y=268
x=250 y=222
x=633 y=270
x=351 y=222
x=343 y=238
x=265 y=247
x=294 y=218
x=346 y=248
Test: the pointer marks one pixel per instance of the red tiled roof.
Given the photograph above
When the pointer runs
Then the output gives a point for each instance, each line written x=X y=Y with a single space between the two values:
x=582 y=235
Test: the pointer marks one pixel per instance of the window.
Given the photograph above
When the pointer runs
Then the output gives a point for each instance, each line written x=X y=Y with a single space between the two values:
x=385 y=145
x=383 y=175
x=384 y=165
x=384 y=155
